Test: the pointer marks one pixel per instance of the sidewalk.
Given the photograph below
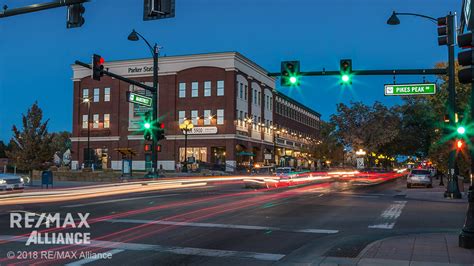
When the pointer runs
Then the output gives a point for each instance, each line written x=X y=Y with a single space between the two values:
x=434 y=194
x=421 y=249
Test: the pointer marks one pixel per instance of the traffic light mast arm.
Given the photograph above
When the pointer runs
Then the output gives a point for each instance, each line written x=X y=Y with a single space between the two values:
x=434 y=71
x=38 y=7
x=110 y=74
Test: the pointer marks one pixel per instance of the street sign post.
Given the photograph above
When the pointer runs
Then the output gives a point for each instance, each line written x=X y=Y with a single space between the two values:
x=410 y=89
x=139 y=99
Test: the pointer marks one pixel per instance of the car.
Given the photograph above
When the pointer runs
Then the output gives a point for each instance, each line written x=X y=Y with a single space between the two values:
x=11 y=182
x=419 y=177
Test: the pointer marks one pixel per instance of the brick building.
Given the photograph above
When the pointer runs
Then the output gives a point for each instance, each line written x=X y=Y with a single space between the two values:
x=238 y=115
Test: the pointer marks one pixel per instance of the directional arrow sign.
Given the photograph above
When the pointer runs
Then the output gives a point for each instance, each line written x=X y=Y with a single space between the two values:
x=410 y=89
x=138 y=99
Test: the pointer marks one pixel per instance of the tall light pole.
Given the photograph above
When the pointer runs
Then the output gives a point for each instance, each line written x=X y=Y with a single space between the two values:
x=452 y=190
x=134 y=36
x=88 y=102
x=186 y=126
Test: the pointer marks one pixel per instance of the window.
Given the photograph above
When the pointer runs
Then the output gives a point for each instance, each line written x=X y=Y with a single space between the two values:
x=194 y=117
x=85 y=94
x=96 y=94
x=96 y=120
x=245 y=92
x=207 y=88
x=199 y=153
x=241 y=117
x=241 y=90
x=271 y=103
x=220 y=116
x=106 y=120
x=255 y=96
x=259 y=99
x=207 y=117
x=107 y=95
x=182 y=116
x=267 y=102
x=220 y=88
x=194 y=87
x=84 y=121
x=182 y=90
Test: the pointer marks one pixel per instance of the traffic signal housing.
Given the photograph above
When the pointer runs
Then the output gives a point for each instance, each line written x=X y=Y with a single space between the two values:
x=290 y=73
x=97 y=67
x=466 y=58
x=158 y=9
x=459 y=144
x=160 y=131
x=345 y=67
x=147 y=126
x=445 y=29
x=74 y=16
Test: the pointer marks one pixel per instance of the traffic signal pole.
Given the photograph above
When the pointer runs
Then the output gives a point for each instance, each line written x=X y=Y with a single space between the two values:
x=155 y=112
x=452 y=190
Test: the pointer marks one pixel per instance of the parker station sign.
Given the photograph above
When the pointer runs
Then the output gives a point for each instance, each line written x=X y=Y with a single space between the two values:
x=410 y=89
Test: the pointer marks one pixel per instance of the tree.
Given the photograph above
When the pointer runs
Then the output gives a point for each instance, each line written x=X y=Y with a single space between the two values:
x=31 y=146
x=328 y=147
x=60 y=141
x=366 y=127
x=3 y=149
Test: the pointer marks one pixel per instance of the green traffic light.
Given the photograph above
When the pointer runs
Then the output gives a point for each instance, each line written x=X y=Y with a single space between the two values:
x=345 y=78
x=293 y=80
x=461 y=130
x=147 y=125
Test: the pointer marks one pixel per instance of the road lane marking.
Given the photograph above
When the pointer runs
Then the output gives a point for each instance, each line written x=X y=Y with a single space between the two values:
x=89 y=260
x=117 y=200
x=224 y=226
x=167 y=249
x=389 y=216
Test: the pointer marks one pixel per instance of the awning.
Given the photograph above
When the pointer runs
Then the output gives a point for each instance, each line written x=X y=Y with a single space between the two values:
x=245 y=153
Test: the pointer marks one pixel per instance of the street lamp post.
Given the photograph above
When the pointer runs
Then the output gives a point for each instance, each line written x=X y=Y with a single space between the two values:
x=186 y=126
x=87 y=100
x=452 y=190
x=134 y=36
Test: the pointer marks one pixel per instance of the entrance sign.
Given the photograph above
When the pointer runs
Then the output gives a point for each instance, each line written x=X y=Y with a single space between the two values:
x=410 y=89
x=202 y=131
x=139 y=99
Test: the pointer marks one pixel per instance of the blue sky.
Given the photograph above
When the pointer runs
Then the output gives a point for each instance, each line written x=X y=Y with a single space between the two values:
x=36 y=50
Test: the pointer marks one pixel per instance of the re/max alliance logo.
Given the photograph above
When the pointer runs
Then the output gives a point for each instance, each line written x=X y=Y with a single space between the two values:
x=52 y=220
x=140 y=69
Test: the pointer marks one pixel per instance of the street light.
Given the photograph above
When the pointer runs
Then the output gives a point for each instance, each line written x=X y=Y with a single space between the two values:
x=135 y=36
x=186 y=126
x=88 y=102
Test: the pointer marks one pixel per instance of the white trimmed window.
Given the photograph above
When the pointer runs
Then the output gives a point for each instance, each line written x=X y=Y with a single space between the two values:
x=96 y=121
x=220 y=116
x=96 y=95
x=84 y=121
x=194 y=89
x=207 y=88
x=245 y=92
x=106 y=94
x=259 y=98
x=220 y=88
x=207 y=117
x=194 y=117
x=182 y=116
x=85 y=94
x=241 y=86
x=182 y=90
x=106 y=120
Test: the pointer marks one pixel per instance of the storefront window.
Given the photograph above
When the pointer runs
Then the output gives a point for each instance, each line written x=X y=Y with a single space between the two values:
x=199 y=153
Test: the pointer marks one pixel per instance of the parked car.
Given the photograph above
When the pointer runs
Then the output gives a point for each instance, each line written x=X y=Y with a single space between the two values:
x=10 y=182
x=419 y=177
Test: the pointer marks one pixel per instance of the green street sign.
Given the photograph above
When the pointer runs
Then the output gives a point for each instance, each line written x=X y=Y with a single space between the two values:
x=410 y=89
x=139 y=99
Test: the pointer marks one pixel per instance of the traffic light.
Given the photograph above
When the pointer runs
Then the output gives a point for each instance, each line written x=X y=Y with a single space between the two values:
x=147 y=147
x=147 y=126
x=160 y=131
x=466 y=58
x=74 y=16
x=158 y=9
x=290 y=73
x=461 y=130
x=459 y=144
x=97 y=67
x=158 y=147
x=444 y=30
x=345 y=67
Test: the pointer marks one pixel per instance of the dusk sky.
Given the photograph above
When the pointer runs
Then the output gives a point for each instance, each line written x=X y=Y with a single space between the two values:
x=36 y=50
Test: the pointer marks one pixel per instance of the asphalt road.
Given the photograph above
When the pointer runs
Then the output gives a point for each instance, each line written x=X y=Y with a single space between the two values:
x=225 y=224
